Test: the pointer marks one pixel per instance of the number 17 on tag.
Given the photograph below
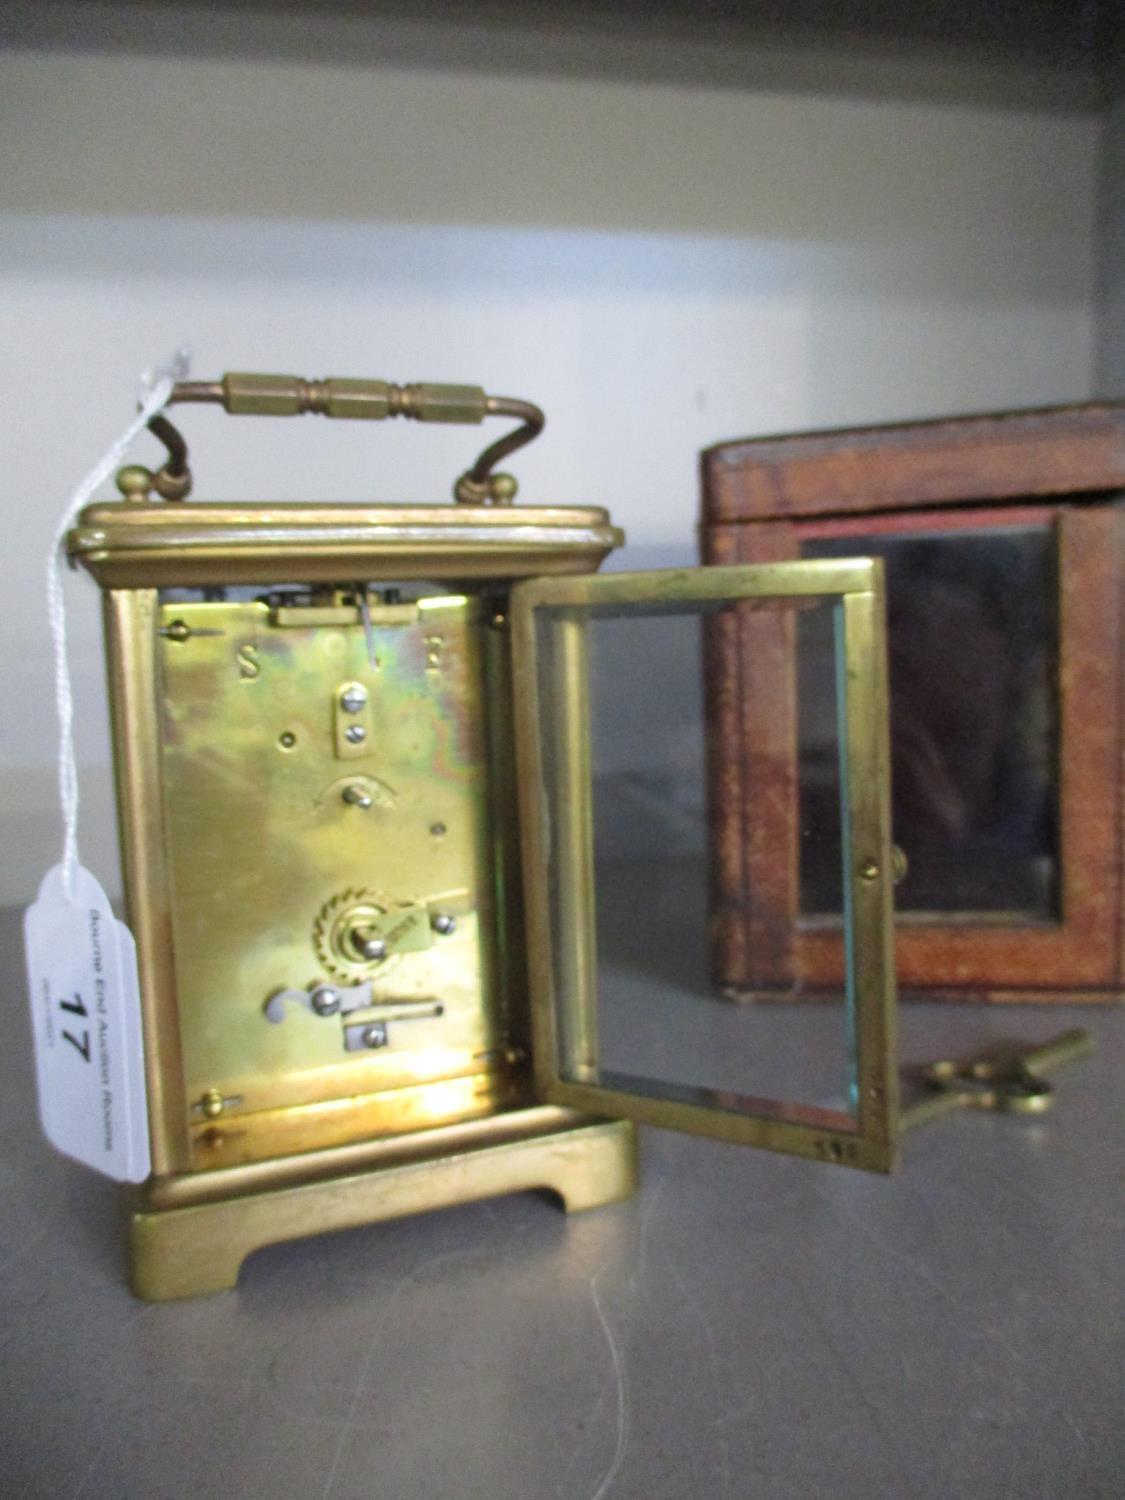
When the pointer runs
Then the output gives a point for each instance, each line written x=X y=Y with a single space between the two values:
x=85 y=1016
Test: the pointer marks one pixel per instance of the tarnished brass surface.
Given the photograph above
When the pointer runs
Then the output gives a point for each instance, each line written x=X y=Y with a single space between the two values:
x=244 y=394
x=132 y=647
x=572 y=877
x=274 y=1135
x=276 y=874
x=185 y=1251
x=371 y=400
x=521 y=1121
x=142 y=545
x=558 y=857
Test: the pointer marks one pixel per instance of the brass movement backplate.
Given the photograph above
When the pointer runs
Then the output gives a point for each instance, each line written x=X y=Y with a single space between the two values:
x=382 y=842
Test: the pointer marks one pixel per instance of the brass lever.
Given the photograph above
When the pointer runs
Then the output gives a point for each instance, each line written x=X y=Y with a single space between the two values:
x=1008 y=1081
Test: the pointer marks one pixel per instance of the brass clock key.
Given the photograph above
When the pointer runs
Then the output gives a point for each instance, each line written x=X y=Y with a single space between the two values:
x=1005 y=1081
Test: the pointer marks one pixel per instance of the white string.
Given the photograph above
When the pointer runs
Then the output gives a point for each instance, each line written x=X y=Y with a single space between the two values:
x=156 y=386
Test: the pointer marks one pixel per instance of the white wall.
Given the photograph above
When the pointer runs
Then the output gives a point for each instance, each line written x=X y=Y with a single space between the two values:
x=660 y=267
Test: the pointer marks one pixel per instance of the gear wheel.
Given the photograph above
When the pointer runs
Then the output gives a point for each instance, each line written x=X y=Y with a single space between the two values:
x=339 y=917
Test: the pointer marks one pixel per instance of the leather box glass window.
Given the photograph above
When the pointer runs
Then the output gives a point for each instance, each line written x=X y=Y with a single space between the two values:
x=1002 y=539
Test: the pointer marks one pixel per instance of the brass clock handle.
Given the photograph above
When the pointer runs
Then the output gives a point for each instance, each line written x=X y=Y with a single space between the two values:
x=372 y=400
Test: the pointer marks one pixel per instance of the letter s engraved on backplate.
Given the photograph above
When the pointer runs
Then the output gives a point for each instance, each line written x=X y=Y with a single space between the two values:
x=249 y=667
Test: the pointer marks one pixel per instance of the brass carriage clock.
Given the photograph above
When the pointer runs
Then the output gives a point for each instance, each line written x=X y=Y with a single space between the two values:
x=357 y=814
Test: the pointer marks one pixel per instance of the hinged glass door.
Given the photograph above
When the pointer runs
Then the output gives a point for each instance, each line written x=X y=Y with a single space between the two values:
x=615 y=789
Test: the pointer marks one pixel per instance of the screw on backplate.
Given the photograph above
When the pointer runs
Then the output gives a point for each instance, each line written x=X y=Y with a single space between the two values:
x=353 y=698
x=213 y=1104
x=368 y=944
x=443 y=923
x=869 y=870
x=375 y=1035
x=325 y=1000
x=355 y=734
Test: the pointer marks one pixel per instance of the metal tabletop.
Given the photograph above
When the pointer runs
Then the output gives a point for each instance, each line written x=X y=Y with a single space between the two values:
x=750 y=1325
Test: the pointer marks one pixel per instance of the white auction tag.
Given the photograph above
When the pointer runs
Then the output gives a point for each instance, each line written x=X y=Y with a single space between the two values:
x=86 y=1022
x=81 y=961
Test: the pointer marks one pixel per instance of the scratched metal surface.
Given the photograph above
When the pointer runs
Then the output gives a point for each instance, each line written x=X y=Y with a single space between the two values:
x=749 y=1326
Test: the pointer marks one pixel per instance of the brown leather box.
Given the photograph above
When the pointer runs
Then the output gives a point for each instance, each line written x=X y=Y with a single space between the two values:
x=1004 y=538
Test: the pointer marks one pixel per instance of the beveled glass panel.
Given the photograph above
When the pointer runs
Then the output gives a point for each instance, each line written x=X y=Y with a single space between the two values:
x=613 y=765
